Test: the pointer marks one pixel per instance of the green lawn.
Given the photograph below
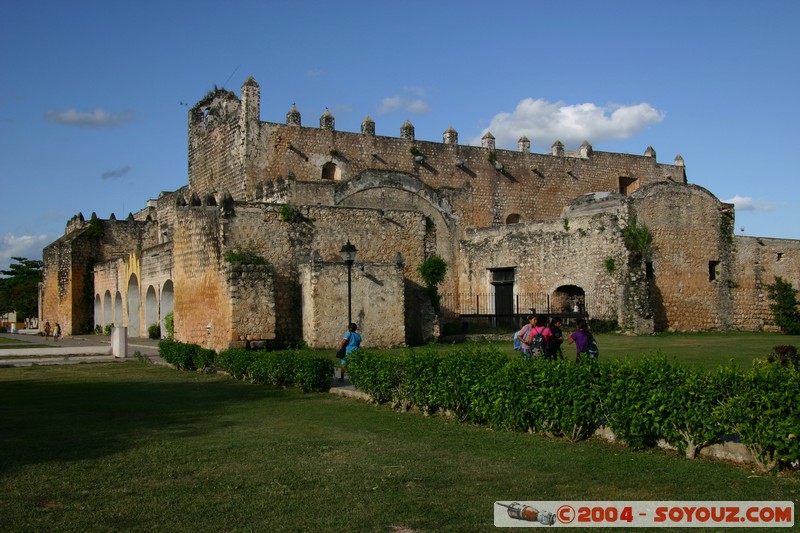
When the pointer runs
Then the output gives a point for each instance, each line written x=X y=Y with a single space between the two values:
x=707 y=350
x=135 y=447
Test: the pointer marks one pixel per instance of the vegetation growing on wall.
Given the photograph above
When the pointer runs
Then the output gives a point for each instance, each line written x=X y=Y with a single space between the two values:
x=289 y=213
x=239 y=256
x=610 y=265
x=95 y=230
x=433 y=271
x=637 y=238
x=784 y=306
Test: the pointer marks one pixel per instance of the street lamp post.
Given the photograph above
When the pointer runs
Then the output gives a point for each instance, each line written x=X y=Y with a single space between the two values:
x=348 y=253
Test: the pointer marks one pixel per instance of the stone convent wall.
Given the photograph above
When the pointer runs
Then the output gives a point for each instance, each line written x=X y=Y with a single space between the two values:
x=377 y=302
x=546 y=256
x=204 y=304
x=231 y=150
x=758 y=261
x=67 y=289
x=294 y=194
x=691 y=256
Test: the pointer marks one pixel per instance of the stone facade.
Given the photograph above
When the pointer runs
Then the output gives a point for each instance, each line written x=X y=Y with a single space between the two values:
x=248 y=250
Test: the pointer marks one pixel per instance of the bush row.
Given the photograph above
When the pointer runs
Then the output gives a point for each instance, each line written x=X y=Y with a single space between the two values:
x=284 y=368
x=642 y=401
x=186 y=356
x=307 y=370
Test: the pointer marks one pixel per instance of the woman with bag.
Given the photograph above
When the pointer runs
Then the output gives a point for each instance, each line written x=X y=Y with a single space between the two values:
x=350 y=343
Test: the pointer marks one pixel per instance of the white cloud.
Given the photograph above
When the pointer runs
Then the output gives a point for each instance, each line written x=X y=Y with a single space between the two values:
x=746 y=203
x=99 y=118
x=27 y=246
x=411 y=101
x=543 y=123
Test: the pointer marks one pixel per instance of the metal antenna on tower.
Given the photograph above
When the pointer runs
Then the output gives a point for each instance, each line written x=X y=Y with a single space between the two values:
x=232 y=73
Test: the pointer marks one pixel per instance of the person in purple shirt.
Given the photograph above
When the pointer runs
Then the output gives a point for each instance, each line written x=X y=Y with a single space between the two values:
x=580 y=338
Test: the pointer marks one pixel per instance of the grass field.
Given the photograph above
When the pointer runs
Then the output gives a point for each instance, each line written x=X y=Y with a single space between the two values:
x=135 y=447
x=707 y=350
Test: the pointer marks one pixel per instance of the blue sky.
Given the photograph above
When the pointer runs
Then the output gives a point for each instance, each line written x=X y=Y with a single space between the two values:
x=91 y=93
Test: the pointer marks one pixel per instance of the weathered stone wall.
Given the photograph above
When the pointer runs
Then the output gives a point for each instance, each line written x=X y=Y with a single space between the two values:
x=691 y=229
x=294 y=195
x=378 y=303
x=216 y=147
x=549 y=255
x=502 y=182
x=758 y=261
x=202 y=300
x=252 y=302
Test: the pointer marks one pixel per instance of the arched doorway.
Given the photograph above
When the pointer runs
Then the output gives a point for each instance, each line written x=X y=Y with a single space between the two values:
x=167 y=304
x=569 y=301
x=119 y=319
x=150 y=308
x=98 y=311
x=108 y=310
x=133 y=307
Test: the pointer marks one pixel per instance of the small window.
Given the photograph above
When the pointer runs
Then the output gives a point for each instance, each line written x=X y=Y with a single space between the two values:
x=648 y=270
x=513 y=218
x=330 y=171
x=713 y=270
x=627 y=185
x=501 y=276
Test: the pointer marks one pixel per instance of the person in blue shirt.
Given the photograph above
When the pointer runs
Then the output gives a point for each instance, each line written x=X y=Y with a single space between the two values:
x=350 y=343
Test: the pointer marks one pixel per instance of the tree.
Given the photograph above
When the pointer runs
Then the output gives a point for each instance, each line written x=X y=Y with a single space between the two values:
x=19 y=289
x=433 y=270
x=784 y=306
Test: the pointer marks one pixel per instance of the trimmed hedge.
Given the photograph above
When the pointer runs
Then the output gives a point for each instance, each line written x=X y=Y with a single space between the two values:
x=307 y=370
x=187 y=356
x=642 y=401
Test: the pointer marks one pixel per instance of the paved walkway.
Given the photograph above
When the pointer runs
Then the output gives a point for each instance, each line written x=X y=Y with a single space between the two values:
x=29 y=348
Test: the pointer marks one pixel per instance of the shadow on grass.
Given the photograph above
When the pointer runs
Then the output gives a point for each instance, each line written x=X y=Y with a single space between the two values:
x=89 y=416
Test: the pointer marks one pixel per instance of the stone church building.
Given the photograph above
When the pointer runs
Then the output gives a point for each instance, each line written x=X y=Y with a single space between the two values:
x=249 y=249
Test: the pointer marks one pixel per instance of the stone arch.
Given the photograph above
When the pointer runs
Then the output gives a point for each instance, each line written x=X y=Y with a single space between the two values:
x=134 y=305
x=566 y=297
x=108 y=310
x=98 y=311
x=512 y=218
x=331 y=171
x=119 y=317
x=150 y=307
x=167 y=304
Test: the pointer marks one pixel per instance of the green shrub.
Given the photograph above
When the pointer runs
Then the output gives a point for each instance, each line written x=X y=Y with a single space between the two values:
x=107 y=329
x=169 y=324
x=313 y=373
x=375 y=373
x=204 y=359
x=784 y=355
x=274 y=368
x=236 y=362
x=177 y=354
x=632 y=399
x=765 y=413
x=154 y=331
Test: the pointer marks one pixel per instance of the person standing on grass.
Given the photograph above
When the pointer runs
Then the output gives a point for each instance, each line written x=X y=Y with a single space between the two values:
x=56 y=332
x=556 y=339
x=350 y=343
x=47 y=330
x=534 y=337
x=580 y=338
